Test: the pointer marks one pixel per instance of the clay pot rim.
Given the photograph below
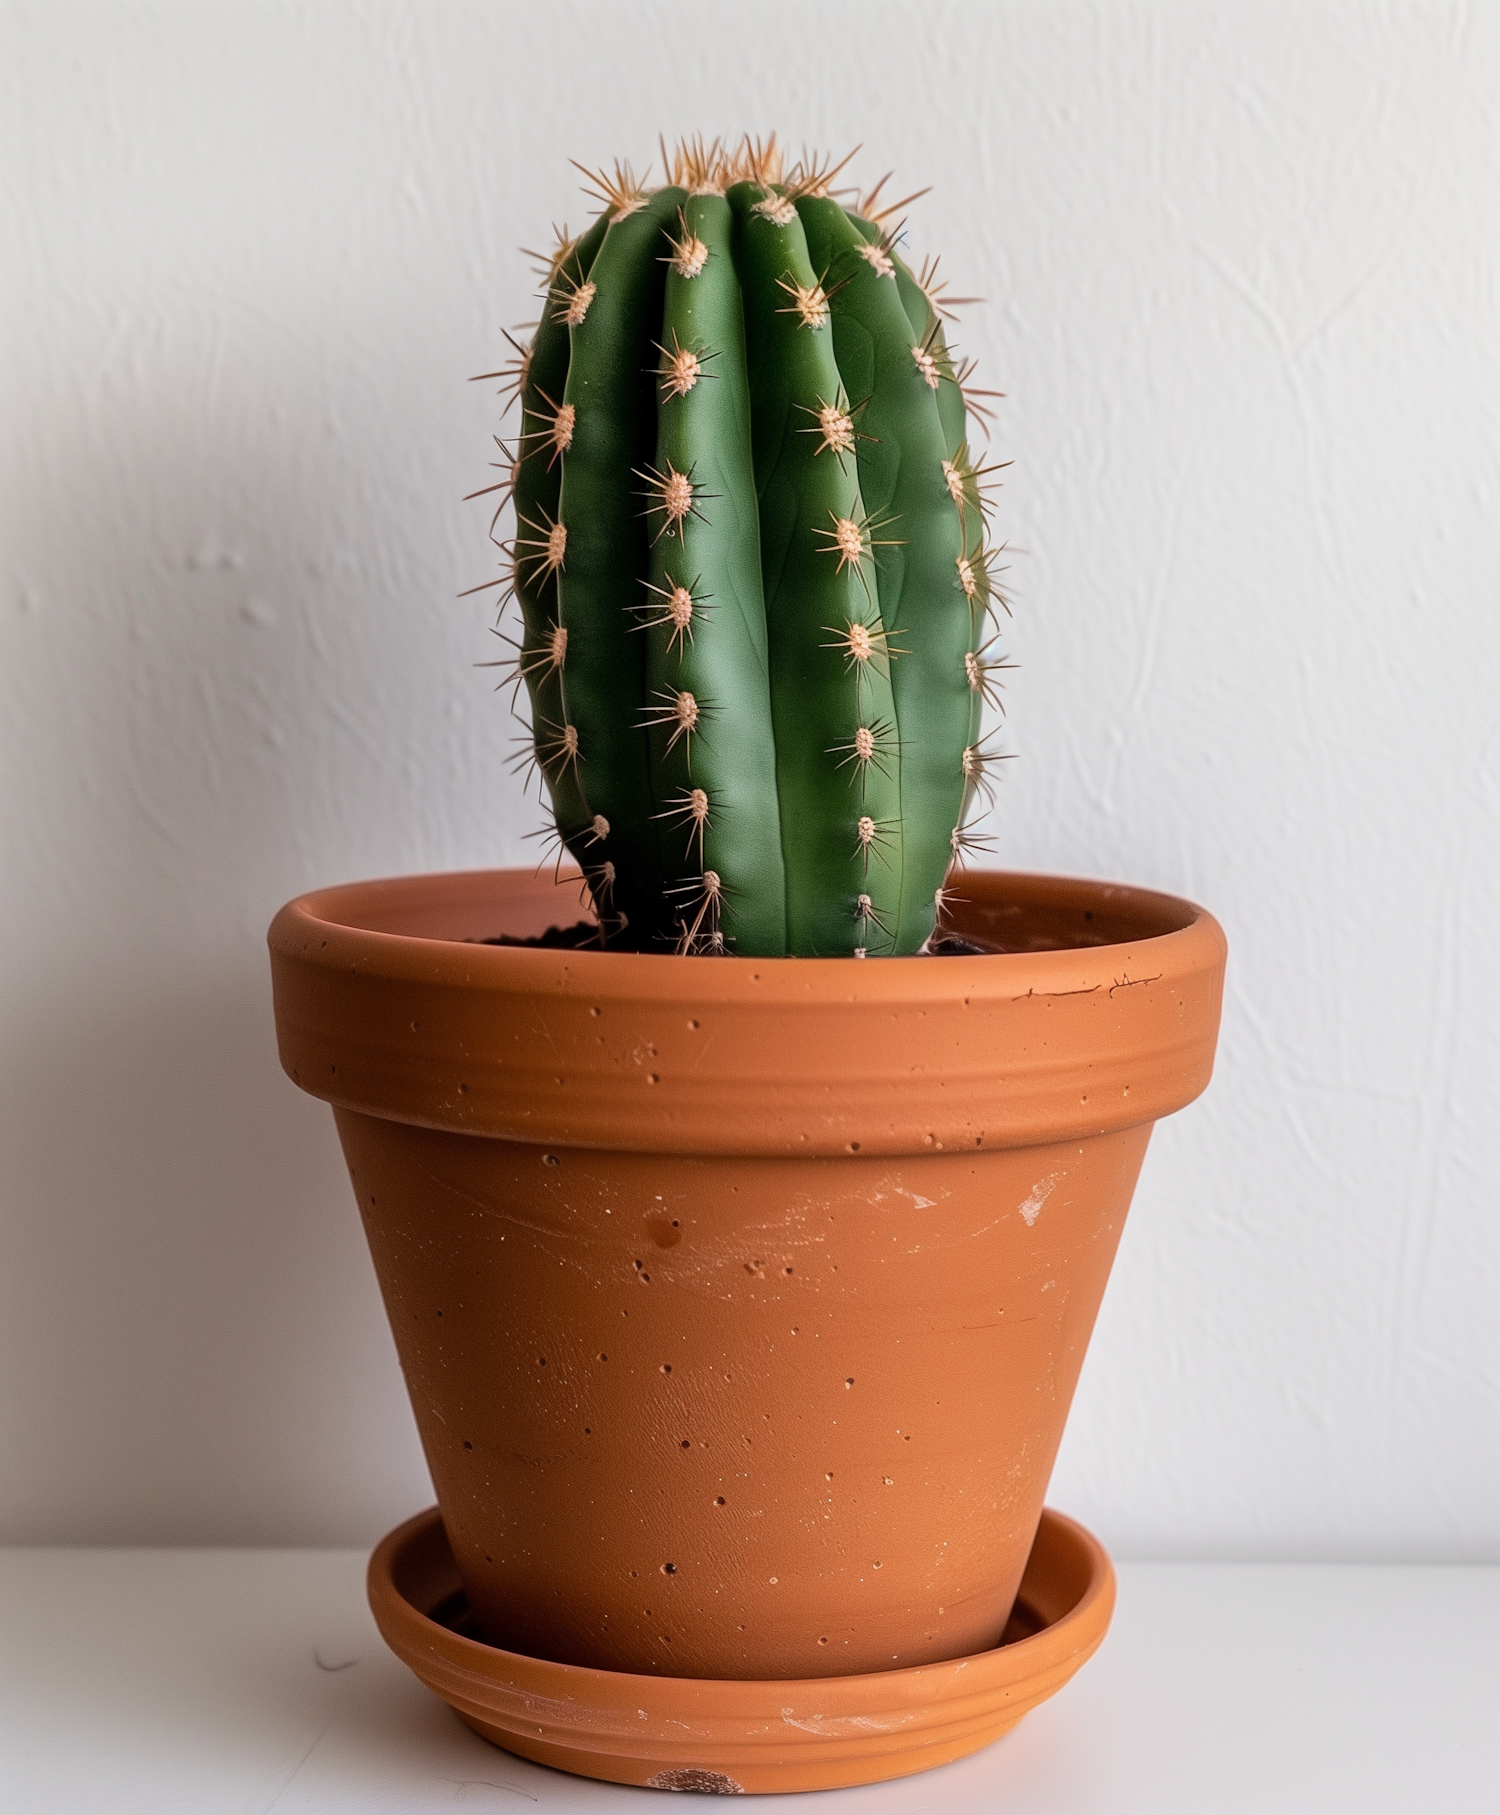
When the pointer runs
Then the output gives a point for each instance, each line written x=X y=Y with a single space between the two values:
x=386 y=1005
x=1075 y=1632
x=1174 y=928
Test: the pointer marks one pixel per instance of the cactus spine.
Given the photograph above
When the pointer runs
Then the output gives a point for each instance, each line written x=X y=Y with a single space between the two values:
x=751 y=562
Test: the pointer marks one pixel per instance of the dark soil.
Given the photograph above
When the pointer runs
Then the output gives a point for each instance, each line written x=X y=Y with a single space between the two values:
x=954 y=945
x=585 y=935
x=556 y=938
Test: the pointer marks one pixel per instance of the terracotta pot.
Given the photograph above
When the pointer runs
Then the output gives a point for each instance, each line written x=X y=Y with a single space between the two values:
x=741 y=1301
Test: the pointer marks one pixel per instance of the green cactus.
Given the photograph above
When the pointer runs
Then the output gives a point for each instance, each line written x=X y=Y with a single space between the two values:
x=751 y=562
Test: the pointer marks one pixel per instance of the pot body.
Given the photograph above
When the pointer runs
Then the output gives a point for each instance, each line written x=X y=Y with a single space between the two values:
x=758 y=1417
x=741 y=1303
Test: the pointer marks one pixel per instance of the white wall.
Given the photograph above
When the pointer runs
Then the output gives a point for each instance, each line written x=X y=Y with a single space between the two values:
x=1242 y=263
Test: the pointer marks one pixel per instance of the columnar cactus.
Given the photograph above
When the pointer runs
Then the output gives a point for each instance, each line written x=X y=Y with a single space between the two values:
x=750 y=555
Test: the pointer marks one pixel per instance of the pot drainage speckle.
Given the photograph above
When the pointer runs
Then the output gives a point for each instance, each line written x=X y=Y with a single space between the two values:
x=707 y=1783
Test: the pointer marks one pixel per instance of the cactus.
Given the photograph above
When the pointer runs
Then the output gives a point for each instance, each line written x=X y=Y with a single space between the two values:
x=751 y=562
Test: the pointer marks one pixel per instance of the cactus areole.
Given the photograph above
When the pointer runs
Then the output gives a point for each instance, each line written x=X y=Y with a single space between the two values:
x=751 y=559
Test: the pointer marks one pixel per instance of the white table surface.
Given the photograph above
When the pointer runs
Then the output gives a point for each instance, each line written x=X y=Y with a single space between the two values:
x=250 y=1681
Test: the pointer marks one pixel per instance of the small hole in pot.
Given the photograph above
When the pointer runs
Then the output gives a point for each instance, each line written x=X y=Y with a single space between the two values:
x=596 y=1011
x=822 y=1641
x=687 y=1443
x=604 y=1357
x=719 y=1501
x=467 y=1444
x=850 y=1381
x=693 y=1026
x=854 y=1146
x=666 y=1367
x=541 y=1361
x=550 y=1159
x=669 y=1569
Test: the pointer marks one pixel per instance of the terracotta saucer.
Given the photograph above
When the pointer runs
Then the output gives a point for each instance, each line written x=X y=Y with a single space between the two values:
x=727 y=1736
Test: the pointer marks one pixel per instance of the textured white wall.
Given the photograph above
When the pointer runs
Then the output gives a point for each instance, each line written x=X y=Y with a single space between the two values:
x=1242 y=264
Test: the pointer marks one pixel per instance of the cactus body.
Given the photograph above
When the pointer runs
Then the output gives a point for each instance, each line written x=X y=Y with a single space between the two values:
x=751 y=564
